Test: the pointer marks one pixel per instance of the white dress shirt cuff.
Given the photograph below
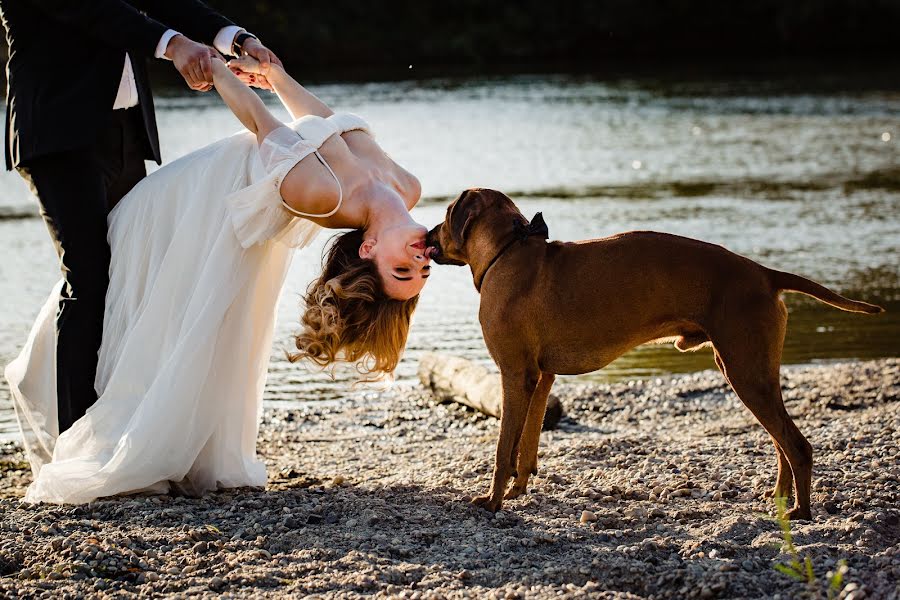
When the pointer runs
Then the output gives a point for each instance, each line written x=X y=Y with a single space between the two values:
x=225 y=38
x=164 y=43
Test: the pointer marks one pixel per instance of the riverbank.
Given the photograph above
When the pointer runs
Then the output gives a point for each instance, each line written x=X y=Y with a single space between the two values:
x=369 y=496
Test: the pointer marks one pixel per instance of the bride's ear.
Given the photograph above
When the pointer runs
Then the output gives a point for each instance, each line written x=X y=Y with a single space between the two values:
x=367 y=248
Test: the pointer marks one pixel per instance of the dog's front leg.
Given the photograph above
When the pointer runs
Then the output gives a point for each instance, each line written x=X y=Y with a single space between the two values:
x=517 y=391
x=526 y=466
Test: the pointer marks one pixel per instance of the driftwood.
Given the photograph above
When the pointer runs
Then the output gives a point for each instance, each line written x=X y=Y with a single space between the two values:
x=454 y=379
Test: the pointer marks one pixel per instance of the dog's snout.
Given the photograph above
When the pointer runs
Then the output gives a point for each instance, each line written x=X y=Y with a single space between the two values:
x=431 y=238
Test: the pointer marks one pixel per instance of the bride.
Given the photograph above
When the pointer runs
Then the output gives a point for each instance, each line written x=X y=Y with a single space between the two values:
x=200 y=250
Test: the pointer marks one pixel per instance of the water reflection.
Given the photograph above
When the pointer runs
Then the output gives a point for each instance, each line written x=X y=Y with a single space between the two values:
x=801 y=181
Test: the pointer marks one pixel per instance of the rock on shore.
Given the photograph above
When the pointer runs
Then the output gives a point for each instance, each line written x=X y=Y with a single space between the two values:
x=649 y=489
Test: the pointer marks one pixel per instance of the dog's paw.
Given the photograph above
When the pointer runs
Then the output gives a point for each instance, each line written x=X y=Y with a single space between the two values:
x=798 y=514
x=514 y=492
x=487 y=503
x=776 y=493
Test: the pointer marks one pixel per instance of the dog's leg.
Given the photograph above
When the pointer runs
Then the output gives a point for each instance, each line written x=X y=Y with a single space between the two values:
x=526 y=466
x=765 y=402
x=518 y=388
x=784 y=481
x=752 y=363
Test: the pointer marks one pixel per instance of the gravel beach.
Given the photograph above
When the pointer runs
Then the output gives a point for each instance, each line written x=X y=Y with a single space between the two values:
x=648 y=489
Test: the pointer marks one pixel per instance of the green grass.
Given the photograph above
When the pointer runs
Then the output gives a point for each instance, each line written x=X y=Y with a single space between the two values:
x=800 y=568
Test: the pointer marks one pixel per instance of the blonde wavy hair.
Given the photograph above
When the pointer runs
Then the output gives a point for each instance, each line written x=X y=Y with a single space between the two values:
x=348 y=317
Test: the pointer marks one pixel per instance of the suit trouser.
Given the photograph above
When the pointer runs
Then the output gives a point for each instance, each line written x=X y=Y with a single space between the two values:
x=77 y=189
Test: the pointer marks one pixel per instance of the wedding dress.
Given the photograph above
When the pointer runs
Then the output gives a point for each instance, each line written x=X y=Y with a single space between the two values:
x=200 y=251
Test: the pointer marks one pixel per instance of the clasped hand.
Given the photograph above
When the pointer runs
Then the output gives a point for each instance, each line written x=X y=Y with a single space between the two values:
x=251 y=71
x=194 y=61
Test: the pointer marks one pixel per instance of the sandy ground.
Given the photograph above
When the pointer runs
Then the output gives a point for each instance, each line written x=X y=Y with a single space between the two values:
x=370 y=496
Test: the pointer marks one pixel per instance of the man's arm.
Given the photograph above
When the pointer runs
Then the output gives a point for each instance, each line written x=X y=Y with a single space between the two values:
x=193 y=18
x=199 y=22
x=112 y=21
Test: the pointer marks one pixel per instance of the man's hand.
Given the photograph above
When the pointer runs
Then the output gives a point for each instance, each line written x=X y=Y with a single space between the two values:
x=253 y=47
x=193 y=61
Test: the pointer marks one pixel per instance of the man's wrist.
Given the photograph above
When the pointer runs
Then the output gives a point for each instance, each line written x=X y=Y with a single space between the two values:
x=176 y=42
x=162 y=48
x=225 y=38
x=237 y=47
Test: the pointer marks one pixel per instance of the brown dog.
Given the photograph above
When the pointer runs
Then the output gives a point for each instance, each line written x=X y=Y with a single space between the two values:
x=563 y=308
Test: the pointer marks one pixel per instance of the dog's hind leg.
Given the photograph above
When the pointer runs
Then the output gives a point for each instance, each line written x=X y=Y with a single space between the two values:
x=518 y=388
x=765 y=402
x=752 y=358
x=785 y=479
x=784 y=487
x=526 y=465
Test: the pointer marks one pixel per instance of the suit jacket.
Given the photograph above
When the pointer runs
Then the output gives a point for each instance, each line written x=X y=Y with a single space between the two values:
x=65 y=63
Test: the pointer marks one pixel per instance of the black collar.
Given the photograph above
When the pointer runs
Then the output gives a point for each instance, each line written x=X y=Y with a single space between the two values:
x=521 y=232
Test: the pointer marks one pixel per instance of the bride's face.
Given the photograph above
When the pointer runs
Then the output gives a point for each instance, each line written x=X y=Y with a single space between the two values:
x=402 y=259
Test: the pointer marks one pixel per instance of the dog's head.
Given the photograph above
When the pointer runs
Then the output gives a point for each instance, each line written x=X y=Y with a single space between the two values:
x=469 y=219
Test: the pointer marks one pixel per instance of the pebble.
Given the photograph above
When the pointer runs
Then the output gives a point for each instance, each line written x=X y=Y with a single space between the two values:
x=216 y=584
x=404 y=527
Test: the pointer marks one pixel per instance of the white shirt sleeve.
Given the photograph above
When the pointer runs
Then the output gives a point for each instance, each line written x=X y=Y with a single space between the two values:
x=164 y=43
x=225 y=38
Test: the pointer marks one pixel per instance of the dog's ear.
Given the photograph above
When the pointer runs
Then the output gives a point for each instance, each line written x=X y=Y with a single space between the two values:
x=462 y=215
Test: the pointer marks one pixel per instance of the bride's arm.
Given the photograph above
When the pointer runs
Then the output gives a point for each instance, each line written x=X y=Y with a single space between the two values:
x=296 y=99
x=243 y=102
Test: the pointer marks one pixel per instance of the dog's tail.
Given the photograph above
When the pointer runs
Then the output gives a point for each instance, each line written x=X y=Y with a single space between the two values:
x=789 y=282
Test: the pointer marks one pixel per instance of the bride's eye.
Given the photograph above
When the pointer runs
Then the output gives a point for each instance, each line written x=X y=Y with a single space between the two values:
x=402 y=270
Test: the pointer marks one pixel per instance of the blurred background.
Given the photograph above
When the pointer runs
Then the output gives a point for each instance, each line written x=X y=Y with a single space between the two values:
x=767 y=126
x=359 y=38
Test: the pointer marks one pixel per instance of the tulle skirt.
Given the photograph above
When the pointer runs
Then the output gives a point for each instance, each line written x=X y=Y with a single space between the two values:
x=200 y=251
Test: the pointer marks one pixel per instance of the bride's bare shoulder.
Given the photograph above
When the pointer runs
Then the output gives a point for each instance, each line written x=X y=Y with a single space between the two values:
x=409 y=187
x=309 y=188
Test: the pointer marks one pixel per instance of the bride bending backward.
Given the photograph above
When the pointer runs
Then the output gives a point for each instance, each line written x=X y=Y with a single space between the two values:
x=200 y=250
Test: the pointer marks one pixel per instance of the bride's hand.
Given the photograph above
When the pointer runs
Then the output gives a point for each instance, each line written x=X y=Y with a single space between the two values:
x=248 y=64
x=252 y=80
x=250 y=72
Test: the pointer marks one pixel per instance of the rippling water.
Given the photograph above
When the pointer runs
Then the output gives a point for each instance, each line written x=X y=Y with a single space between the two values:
x=808 y=183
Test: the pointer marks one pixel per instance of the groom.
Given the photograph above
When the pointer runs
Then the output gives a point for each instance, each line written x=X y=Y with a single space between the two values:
x=79 y=125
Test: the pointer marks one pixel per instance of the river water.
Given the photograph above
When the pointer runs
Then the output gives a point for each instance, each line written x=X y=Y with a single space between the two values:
x=807 y=182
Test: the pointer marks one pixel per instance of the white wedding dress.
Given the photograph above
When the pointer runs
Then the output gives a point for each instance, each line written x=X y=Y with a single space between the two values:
x=200 y=251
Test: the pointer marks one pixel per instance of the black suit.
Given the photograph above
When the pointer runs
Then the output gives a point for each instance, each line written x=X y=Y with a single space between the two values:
x=79 y=155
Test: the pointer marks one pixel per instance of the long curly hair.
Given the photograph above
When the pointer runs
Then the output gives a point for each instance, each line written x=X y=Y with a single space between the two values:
x=348 y=317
